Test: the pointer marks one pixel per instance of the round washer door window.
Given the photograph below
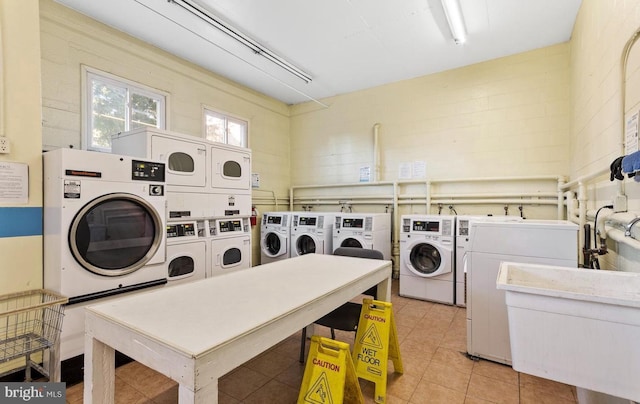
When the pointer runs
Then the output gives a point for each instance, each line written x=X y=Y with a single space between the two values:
x=351 y=242
x=425 y=258
x=305 y=245
x=272 y=244
x=115 y=234
x=231 y=257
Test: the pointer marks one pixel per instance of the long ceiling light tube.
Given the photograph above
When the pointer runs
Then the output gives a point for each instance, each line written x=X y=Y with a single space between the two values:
x=242 y=38
x=456 y=23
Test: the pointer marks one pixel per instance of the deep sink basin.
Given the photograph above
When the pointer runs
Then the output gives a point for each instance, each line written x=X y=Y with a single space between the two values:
x=576 y=326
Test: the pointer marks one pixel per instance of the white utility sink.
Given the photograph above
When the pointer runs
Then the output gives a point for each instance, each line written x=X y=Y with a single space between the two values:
x=576 y=326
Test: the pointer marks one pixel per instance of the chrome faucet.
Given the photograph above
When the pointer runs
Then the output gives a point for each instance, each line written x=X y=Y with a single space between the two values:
x=633 y=221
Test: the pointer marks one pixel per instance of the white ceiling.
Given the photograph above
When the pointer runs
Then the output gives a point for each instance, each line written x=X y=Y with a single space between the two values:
x=344 y=45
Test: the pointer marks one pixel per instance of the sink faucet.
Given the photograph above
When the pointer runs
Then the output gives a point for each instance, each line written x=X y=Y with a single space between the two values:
x=633 y=221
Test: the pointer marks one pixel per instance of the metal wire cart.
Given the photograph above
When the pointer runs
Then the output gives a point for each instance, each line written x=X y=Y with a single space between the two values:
x=30 y=322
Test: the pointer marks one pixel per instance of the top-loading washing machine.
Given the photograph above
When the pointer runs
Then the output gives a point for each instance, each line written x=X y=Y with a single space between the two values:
x=230 y=244
x=275 y=233
x=547 y=242
x=363 y=230
x=427 y=253
x=463 y=241
x=311 y=232
x=104 y=231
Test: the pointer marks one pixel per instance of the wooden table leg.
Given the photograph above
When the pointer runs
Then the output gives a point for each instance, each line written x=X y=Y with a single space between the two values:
x=99 y=372
x=205 y=395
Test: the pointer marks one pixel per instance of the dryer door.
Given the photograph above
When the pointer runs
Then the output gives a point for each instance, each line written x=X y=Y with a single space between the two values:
x=115 y=234
x=186 y=161
x=231 y=169
x=426 y=259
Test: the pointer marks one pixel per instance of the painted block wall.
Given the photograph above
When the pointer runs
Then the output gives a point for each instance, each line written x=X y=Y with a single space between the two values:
x=21 y=244
x=71 y=40
x=505 y=117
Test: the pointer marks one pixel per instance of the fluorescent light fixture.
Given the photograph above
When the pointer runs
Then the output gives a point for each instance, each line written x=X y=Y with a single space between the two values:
x=258 y=49
x=455 y=20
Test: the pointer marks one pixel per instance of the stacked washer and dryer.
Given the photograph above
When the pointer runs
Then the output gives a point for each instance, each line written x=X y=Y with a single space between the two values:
x=104 y=231
x=208 y=200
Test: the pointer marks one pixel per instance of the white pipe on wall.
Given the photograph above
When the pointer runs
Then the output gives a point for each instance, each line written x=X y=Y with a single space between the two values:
x=376 y=153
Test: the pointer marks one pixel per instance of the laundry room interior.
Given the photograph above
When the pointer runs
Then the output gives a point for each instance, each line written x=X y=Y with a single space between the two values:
x=529 y=143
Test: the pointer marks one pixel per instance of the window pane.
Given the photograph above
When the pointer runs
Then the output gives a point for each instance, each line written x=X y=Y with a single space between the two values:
x=108 y=113
x=215 y=127
x=237 y=133
x=144 y=111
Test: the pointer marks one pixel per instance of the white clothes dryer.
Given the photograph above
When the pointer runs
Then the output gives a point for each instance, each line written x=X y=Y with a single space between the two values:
x=363 y=230
x=426 y=257
x=230 y=244
x=463 y=242
x=186 y=252
x=275 y=237
x=185 y=156
x=104 y=224
x=312 y=232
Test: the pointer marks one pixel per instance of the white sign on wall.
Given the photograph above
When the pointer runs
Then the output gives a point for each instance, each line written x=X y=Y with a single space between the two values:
x=413 y=170
x=14 y=183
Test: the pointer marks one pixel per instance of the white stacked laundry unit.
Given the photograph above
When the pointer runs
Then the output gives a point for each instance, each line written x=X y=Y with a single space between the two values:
x=208 y=183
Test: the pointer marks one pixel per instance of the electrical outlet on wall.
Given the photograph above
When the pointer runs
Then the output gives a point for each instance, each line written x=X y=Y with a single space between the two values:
x=5 y=147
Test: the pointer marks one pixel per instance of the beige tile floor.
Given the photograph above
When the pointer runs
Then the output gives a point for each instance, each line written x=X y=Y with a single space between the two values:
x=432 y=344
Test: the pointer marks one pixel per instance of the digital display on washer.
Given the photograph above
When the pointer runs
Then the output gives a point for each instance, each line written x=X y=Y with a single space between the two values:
x=421 y=225
x=230 y=225
x=353 y=223
x=307 y=221
x=147 y=171
x=274 y=219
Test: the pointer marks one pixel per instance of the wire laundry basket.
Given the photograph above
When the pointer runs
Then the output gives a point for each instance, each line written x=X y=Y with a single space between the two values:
x=30 y=322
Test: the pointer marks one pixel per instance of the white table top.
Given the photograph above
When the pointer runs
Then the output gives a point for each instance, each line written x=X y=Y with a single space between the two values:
x=195 y=318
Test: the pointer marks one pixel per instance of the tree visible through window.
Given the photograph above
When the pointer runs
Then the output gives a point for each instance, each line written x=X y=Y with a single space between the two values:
x=117 y=106
x=225 y=129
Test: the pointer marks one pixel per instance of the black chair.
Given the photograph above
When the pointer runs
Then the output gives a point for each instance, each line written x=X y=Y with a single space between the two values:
x=347 y=316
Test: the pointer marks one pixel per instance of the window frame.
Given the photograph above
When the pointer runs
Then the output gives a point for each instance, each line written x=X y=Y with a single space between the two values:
x=88 y=75
x=227 y=117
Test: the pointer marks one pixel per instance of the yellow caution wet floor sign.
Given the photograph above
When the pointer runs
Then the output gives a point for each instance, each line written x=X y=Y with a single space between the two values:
x=329 y=376
x=376 y=343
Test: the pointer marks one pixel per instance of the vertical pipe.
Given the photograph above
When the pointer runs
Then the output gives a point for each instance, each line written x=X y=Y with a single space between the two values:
x=582 y=215
x=395 y=235
x=561 y=182
x=428 y=197
x=376 y=153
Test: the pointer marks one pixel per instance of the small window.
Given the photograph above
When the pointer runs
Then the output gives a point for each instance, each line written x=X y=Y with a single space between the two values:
x=232 y=256
x=223 y=128
x=232 y=169
x=181 y=162
x=114 y=104
x=181 y=266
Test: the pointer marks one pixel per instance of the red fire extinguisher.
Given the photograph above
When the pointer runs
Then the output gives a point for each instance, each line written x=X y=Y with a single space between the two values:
x=254 y=216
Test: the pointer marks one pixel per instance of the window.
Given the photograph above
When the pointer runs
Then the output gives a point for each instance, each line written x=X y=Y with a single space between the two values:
x=118 y=105
x=222 y=128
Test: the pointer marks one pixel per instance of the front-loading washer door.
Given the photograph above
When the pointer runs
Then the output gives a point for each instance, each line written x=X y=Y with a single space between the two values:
x=273 y=245
x=351 y=242
x=425 y=259
x=115 y=234
x=305 y=245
